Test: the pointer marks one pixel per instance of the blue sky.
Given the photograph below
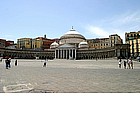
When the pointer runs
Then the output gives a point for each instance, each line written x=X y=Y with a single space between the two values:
x=92 y=18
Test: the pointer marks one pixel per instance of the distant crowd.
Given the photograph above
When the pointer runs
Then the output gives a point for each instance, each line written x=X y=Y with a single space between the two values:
x=127 y=64
x=8 y=62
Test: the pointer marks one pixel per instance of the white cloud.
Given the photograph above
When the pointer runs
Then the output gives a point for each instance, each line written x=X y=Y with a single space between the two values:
x=127 y=18
x=118 y=24
x=8 y=37
x=97 y=31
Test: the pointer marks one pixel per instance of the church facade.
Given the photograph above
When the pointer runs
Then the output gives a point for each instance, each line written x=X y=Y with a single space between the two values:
x=73 y=45
x=68 y=45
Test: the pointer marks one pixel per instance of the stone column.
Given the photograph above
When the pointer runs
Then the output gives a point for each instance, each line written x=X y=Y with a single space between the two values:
x=63 y=54
x=69 y=54
x=72 y=53
x=75 y=54
x=66 y=54
x=58 y=54
x=55 y=54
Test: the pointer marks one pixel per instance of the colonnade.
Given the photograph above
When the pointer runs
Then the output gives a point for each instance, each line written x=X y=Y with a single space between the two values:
x=65 y=54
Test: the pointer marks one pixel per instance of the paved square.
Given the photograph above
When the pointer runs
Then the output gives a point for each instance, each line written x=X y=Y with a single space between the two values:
x=86 y=76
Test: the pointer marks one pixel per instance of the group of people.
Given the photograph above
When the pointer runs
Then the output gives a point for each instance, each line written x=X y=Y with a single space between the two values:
x=8 y=63
x=128 y=64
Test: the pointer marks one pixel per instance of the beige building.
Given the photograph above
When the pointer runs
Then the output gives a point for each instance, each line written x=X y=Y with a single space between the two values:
x=101 y=43
x=133 y=39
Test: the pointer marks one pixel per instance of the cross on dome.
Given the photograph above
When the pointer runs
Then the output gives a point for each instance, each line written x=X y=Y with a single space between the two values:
x=72 y=29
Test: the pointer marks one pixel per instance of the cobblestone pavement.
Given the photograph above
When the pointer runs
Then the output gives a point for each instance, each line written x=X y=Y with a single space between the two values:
x=66 y=76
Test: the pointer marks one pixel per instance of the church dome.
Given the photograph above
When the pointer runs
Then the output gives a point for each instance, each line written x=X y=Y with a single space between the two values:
x=72 y=37
x=72 y=34
x=54 y=45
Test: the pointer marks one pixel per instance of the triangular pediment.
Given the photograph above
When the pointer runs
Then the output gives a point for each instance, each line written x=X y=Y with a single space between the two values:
x=65 y=46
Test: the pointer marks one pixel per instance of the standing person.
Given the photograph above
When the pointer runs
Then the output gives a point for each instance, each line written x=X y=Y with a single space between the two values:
x=131 y=63
x=7 y=63
x=45 y=63
x=120 y=63
x=15 y=62
x=124 y=64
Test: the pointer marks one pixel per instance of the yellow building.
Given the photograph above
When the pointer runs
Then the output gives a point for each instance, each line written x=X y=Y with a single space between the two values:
x=39 y=43
x=133 y=38
x=24 y=43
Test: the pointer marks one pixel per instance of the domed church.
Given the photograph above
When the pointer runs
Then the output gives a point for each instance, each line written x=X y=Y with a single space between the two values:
x=71 y=45
x=68 y=45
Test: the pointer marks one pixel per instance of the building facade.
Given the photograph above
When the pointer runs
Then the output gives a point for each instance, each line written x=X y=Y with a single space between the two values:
x=133 y=39
x=2 y=43
x=39 y=43
x=101 y=43
x=9 y=43
x=24 y=43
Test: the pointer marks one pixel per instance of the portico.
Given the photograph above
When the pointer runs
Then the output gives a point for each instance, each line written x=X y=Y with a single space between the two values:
x=65 y=51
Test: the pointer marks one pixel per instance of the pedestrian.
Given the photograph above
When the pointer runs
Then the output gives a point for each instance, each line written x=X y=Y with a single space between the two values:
x=15 y=62
x=131 y=63
x=120 y=63
x=124 y=64
x=7 y=63
x=45 y=63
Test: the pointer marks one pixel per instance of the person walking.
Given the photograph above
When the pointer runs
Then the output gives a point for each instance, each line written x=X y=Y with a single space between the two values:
x=128 y=63
x=16 y=62
x=120 y=63
x=131 y=64
x=45 y=63
x=124 y=64
x=7 y=63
